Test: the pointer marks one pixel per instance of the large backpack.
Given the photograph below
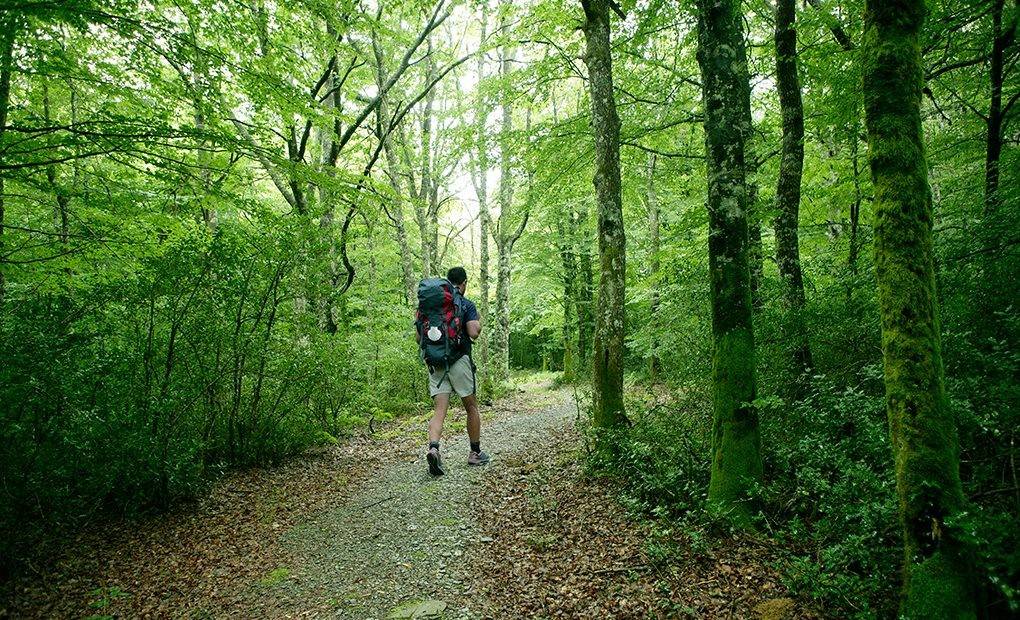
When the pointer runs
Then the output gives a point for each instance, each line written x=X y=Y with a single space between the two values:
x=440 y=322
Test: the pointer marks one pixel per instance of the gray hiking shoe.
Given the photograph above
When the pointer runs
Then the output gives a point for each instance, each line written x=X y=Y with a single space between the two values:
x=478 y=458
x=435 y=463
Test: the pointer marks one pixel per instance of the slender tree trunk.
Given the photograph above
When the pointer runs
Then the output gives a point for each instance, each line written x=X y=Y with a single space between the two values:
x=396 y=210
x=584 y=299
x=736 y=444
x=500 y=343
x=426 y=203
x=8 y=28
x=328 y=314
x=194 y=84
x=569 y=265
x=855 y=206
x=482 y=191
x=993 y=150
x=654 y=249
x=61 y=198
x=755 y=251
x=938 y=570
x=610 y=318
x=791 y=169
x=501 y=329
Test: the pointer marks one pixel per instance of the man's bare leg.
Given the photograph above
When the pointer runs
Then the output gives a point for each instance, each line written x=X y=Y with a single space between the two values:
x=474 y=421
x=442 y=402
x=474 y=429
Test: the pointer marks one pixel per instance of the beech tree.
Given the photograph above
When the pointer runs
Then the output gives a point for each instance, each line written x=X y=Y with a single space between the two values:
x=610 y=314
x=479 y=165
x=937 y=569
x=509 y=226
x=736 y=446
x=791 y=171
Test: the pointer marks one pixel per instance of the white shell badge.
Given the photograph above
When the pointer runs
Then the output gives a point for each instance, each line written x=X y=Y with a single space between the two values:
x=434 y=334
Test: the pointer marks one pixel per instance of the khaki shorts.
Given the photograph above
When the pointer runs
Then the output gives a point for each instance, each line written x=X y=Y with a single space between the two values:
x=460 y=379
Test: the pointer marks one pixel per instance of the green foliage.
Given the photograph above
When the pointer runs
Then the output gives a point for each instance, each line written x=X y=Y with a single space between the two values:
x=831 y=492
x=663 y=457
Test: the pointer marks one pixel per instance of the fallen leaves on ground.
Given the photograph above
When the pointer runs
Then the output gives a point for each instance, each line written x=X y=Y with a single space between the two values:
x=556 y=544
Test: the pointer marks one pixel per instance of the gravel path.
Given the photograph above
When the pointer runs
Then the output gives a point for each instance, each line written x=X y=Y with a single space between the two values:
x=401 y=538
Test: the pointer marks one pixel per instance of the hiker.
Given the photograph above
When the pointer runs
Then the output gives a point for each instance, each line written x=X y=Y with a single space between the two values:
x=445 y=326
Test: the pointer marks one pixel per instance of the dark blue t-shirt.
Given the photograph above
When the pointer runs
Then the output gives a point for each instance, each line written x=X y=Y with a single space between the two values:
x=470 y=314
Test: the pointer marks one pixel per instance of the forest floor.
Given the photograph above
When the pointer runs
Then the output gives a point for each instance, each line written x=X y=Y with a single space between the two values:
x=359 y=530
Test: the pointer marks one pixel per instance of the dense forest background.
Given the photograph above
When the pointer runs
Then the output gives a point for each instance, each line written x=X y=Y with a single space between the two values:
x=214 y=215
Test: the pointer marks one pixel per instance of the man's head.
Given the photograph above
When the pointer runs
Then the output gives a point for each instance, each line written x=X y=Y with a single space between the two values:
x=458 y=276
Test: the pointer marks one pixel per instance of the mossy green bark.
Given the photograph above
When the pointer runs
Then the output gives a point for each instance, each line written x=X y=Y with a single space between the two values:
x=938 y=568
x=610 y=328
x=736 y=445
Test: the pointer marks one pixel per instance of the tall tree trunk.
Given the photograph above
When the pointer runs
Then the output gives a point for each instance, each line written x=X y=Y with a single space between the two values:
x=736 y=443
x=855 y=206
x=654 y=249
x=396 y=212
x=755 y=251
x=501 y=328
x=791 y=169
x=569 y=263
x=584 y=295
x=61 y=198
x=328 y=137
x=482 y=191
x=195 y=86
x=8 y=29
x=610 y=317
x=500 y=344
x=1002 y=38
x=938 y=573
x=426 y=201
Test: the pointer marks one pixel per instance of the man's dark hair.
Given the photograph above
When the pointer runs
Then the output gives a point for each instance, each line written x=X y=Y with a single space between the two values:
x=457 y=275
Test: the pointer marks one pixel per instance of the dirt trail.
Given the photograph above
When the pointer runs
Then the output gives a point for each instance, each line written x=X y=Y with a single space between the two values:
x=400 y=539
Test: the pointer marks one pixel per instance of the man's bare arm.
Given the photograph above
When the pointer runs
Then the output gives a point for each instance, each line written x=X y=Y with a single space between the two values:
x=474 y=329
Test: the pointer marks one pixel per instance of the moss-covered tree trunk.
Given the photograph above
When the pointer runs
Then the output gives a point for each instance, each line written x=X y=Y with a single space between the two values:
x=937 y=575
x=609 y=314
x=791 y=171
x=736 y=444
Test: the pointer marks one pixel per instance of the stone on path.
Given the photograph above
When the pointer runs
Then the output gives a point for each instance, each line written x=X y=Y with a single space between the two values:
x=431 y=608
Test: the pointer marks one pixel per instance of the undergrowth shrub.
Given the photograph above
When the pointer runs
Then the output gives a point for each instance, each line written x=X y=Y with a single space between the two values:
x=829 y=494
x=662 y=459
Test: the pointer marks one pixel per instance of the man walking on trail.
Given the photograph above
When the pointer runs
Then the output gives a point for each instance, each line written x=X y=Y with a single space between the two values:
x=447 y=352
